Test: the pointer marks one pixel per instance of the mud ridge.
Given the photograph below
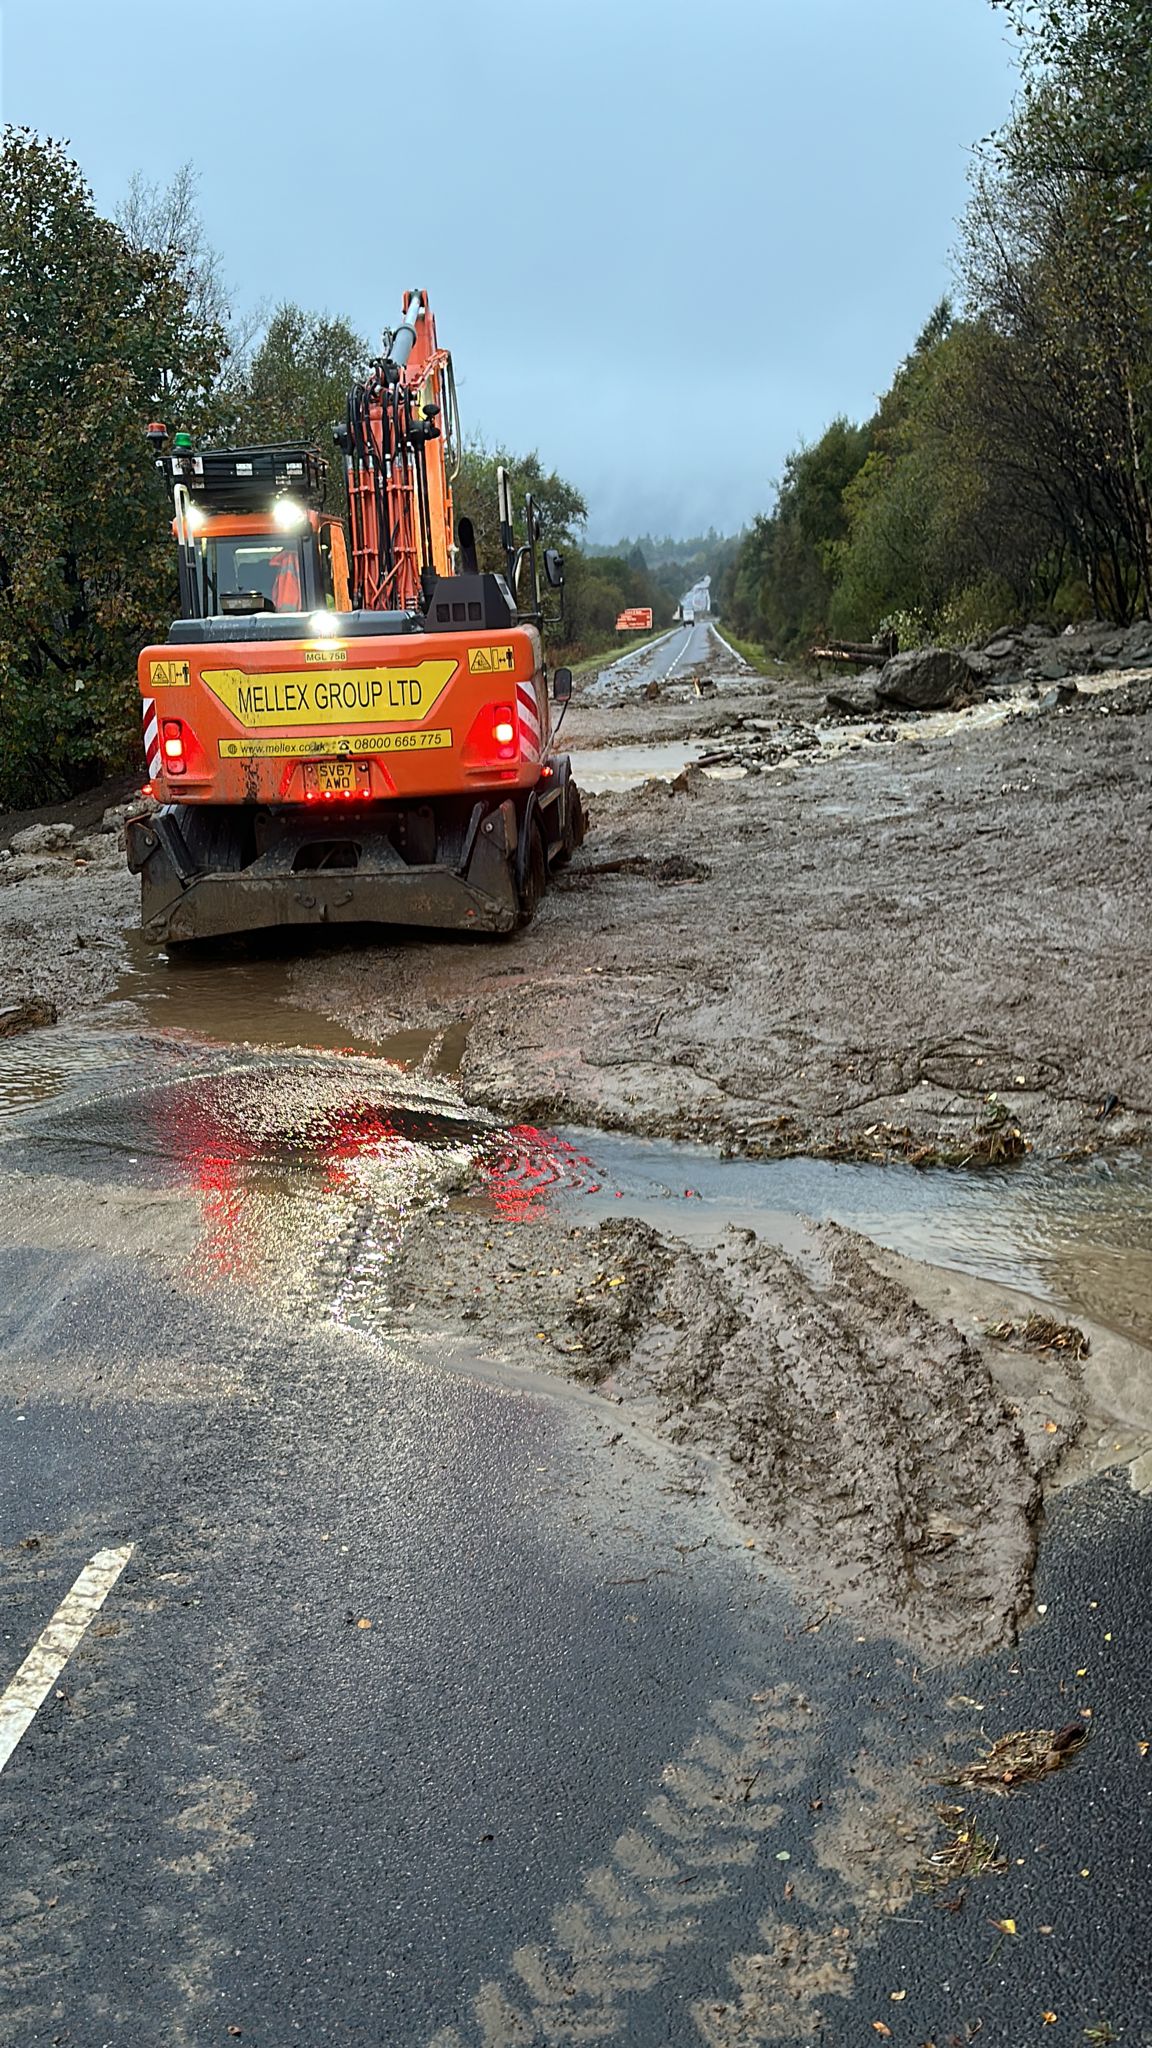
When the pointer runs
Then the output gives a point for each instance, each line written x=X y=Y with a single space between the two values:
x=861 y=1442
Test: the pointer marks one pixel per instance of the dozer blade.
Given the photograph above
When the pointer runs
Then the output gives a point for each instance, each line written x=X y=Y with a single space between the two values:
x=182 y=900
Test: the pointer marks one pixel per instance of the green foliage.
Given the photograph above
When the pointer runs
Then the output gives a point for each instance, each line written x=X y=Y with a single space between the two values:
x=95 y=335
x=1007 y=470
x=779 y=589
x=295 y=387
x=597 y=587
x=560 y=509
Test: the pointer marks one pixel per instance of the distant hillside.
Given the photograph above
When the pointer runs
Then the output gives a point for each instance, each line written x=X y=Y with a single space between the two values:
x=673 y=564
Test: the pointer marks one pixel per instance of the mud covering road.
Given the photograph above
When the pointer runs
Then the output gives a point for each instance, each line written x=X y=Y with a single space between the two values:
x=898 y=950
x=453 y=1702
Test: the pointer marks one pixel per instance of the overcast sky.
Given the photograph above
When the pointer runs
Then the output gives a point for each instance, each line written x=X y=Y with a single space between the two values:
x=663 y=241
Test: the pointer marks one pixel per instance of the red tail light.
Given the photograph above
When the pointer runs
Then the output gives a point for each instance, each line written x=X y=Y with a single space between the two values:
x=495 y=736
x=173 y=735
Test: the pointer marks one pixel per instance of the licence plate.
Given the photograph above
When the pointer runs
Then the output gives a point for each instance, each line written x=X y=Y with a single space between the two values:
x=337 y=778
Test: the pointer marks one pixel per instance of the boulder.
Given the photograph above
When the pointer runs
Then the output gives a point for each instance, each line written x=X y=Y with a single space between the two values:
x=931 y=679
x=858 y=703
x=1001 y=650
x=1057 y=698
x=1051 y=671
x=43 y=838
x=23 y=867
x=138 y=807
x=1138 y=644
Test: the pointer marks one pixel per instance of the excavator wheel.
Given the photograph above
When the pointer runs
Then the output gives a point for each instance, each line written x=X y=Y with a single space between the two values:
x=575 y=825
x=531 y=871
x=570 y=808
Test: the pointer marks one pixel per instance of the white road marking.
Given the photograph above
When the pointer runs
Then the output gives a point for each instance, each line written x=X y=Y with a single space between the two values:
x=634 y=653
x=678 y=657
x=733 y=651
x=22 y=1699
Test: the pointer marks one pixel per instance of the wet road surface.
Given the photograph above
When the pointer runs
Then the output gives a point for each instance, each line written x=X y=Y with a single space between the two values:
x=435 y=1707
x=677 y=656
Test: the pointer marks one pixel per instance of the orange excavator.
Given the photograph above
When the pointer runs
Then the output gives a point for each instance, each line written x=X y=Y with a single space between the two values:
x=351 y=729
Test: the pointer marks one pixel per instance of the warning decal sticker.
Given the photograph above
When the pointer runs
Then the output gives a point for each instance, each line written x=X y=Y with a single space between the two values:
x=170 y=675
x=491 y=661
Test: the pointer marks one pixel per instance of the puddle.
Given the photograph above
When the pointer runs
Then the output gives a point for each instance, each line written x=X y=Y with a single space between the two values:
x=42 y=1064
x=235 y=1001
x=931 y=725
x=303 y=1168
x=601 y=769
x=1080 y=1235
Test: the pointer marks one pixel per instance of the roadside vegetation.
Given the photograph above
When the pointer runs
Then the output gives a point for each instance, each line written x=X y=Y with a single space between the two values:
x=1007 y=472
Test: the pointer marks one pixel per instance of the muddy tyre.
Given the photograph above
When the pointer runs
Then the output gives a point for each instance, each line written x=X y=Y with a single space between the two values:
x=533 y=880
x=575 y=826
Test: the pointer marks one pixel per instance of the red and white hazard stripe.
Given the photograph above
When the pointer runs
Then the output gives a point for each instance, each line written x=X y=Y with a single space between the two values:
x=529 y=713
x=152 y=736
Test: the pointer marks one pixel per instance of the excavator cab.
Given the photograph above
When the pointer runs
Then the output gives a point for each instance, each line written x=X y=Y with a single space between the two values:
x=245 y=563
x=251 y=530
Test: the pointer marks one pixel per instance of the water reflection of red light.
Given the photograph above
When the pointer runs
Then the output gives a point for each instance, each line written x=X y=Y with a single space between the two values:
x=221 y=1202
x=355 y=1134
x=526 y=1165
x=205 y=1136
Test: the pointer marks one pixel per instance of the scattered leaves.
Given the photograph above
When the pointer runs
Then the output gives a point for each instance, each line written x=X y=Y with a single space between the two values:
x=1022 y=1757
x=1042 y=1333
x=878 y=2027
x=1005 y=1926
x=966 y=1852
x=364 y=1622
x=1049 y=2019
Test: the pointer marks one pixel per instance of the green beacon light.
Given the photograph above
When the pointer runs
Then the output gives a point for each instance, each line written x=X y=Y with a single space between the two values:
x=182 y=442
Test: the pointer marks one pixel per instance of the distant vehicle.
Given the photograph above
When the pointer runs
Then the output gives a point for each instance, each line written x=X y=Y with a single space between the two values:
x=696 y=604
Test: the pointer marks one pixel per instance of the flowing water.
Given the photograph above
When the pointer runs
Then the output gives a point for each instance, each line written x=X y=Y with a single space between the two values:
x=221 y=1042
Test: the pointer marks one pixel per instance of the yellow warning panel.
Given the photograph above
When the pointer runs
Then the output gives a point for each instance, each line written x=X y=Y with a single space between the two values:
x=170 y=675
x=368 y=696
x=326 y=746
x=491 y=661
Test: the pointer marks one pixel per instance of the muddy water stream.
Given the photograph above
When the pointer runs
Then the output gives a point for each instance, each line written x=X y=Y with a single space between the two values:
x=1079 y=1235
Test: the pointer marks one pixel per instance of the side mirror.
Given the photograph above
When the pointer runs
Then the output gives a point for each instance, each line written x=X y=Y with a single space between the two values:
x=562 y=685
x=554 y=568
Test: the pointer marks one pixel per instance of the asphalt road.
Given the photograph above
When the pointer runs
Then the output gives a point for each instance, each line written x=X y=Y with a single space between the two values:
x=675 y=655
x=435 y=1710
